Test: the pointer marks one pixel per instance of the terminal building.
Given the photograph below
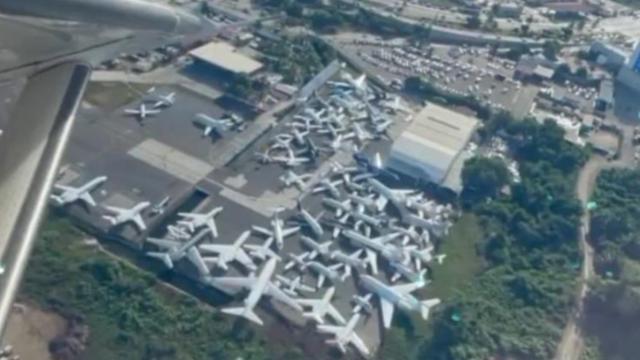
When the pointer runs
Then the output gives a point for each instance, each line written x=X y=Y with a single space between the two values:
x=431 y=148
x=224 y=58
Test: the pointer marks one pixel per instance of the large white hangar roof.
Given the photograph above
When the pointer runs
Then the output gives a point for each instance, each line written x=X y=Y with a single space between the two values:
x=227 y=57
x=431 y=143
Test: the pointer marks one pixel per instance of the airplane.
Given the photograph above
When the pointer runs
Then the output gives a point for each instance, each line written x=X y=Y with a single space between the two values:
x=161 y=101
x=340 y=207
x=291 y=178
x=344 y=335
x=361 y=134
x=324 y=272
x=158 y=208
x=257 y=286
x=410 y=234
x=322 y=307
x=438 y=226
x=176 y=250
x=425 y=256
x=193 y=221
x=220 y=126
x=296 y=260
x=373 y=166
x=229 y=253
x=311 y=222
x=277 y=231
x=178 y=232
x=316 y=248
x=395 y=105
x=291 y=286
x=289 y=161
x=398 y=295
x=329 y=186
x=397 y=197
x=380 y=245
x=358 y=214
x=142 y=112
x=125 y=215
x=71 y=194
x=402 y=270
x=369 y=202
x=348 y=262
x=362 y=303
x=262 y=252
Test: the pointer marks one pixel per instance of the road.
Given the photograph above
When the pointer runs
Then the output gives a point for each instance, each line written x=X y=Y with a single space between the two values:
x=571 y=345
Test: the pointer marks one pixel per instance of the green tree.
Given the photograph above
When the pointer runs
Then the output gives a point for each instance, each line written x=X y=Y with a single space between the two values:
x=484 y=177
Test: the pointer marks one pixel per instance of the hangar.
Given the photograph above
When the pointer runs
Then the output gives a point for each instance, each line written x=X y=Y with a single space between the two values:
x=430 y=147
x=224 y=56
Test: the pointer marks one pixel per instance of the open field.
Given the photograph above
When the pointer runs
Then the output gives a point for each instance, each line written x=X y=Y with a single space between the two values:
x=110 y=96
x=462 y=261
x=30 y=330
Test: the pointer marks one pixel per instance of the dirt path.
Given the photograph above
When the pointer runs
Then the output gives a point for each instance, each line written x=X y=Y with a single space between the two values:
x=571 y=345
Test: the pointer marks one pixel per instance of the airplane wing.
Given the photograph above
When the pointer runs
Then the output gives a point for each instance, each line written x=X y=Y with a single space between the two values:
x=245 y=260
x=139 y=222
x=163 y=243
x=387 y=312
x=194 y=256
x=132 y=111
x=261 y=230
x=329 y=329
x=216 y=248
x=211 y=223
x=290 y=231
x=308 y=302
x=86 y=197
x=233 y=284
x=358 y=343
x=372 y=259
x=63 y=187
x=335 y=314
x=408 y=288
x=279 y=295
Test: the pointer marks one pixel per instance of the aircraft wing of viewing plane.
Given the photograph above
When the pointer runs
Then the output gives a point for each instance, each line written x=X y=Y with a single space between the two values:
x=49 y=47
x=68 y=194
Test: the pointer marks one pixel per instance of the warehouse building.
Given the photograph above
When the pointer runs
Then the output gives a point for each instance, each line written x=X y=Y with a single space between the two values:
x=224 y=57
x=430 y=148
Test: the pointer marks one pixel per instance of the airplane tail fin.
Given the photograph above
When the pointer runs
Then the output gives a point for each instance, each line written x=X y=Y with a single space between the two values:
x=110 y=219
x=426 y=306
x=245 y=313
x=165 y=258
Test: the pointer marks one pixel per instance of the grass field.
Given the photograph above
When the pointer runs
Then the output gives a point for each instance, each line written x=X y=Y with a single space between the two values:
x=462 y=261
x=131 y=315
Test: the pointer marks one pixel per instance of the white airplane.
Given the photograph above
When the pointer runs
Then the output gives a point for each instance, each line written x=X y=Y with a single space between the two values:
x=324 y=272
x=345 y=335
x=359 y=215
x=176 y=250
x=340 y=207
x=322 y=307
x=377 y=245
x=193 y=221
x=291 y=178
x=262 y=252
x=125 y=215
x=362 y=303
x=397 y=197
x=159 y=207
x=329 y=186
x=69 y=194
x=398 y=295
x=348 y=262
x=178 y=232
x=229 y=253
x=370 y=202
x=290 y=161
x=142 y=112
x=257 y=286
x=160 y=101
x=277 y=231
x=395 y=105
x=292 y=286
x=402 y=270
x=316 y=248
x=220 y=126
x=312 y=222
x=361 y=134
x=297 y=260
